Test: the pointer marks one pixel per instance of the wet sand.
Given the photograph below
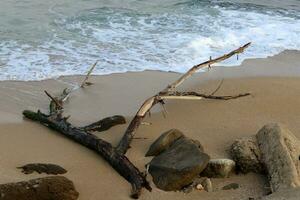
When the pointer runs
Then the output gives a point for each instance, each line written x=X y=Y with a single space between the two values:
x=273 y=82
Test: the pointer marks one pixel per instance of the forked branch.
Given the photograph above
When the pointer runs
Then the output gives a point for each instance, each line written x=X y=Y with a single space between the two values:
x=170 y=93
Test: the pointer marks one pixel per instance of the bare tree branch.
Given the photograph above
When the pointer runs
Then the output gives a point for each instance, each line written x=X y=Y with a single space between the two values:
x=168 y=93
x=84 y=82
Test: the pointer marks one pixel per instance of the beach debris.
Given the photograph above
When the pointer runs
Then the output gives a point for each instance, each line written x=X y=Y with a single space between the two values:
x=54 y=187
x=105 y=124
x=115 y=156
x=42 y=168
x=178 y=165
x=231 y=186
x=118 y=161
x=170 y=93
x=280 y=151
x=247 y=156
x=219 y=168
x=164 y=142
x=56 y=103
x=85 y=81
x=207 y=185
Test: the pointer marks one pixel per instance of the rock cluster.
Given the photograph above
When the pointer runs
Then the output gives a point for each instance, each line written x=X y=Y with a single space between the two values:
x=275 y=151
x=179 y=160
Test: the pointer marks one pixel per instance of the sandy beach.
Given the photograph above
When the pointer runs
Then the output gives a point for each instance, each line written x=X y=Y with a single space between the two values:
x=274 y=84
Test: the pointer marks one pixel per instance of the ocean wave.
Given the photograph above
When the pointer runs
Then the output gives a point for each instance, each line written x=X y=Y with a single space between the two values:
x=132 y=40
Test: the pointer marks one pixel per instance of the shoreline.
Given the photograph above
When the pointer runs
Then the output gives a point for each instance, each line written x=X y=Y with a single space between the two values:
x=246 y=62
x=216 y=124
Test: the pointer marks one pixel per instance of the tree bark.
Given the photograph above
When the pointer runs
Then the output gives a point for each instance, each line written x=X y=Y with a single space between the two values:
x=105 y=124
x=118 y=161
x=170 y=93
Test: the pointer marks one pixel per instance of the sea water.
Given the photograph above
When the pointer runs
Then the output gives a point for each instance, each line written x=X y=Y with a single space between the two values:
x=42 y=39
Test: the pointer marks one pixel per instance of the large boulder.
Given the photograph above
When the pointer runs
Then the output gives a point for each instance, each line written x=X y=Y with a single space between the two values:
x=178 y=165
x=247 y=156
x=219 y=168
x=280 y=151
x=164 y=142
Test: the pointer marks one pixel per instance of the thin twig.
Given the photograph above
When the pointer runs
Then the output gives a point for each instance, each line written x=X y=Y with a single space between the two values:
x=54 y=100
x=165 y=94
x=195 y=95
x=204 y=64
x=219 y=86
x=88 y=74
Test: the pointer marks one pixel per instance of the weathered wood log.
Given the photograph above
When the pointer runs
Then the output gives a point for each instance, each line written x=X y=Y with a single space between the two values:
x=170 y=93
x=105 y=124
x=280 y=151
x=118 y=161
x=54 y=187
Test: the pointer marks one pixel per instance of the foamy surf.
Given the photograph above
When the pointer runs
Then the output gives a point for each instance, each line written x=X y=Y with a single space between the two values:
x=171 y=37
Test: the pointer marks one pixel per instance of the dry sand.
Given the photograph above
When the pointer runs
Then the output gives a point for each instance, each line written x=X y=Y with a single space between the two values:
x=274 y=83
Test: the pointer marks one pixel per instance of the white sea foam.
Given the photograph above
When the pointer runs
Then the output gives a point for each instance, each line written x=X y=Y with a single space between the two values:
x=127 y=40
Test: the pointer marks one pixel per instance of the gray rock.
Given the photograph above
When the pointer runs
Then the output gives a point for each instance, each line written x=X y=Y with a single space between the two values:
x=206 y=183
x=164 y=142
x=219 y=168
x=231 y=186
x=177 y=166
x=280 y=151
x=247 y=156
x=287 y=194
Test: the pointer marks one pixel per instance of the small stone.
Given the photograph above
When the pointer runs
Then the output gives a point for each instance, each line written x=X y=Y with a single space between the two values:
x=207 y=185
x=219 y=168
x=164 y=142
x=199 y=187
x=231 y=186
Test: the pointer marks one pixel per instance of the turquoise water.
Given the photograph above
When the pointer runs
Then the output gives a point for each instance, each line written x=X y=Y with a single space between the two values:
x=43 y=39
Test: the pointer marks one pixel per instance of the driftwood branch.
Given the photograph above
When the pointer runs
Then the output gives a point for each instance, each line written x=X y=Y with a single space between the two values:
x=105 y=124
x=119 y=162
x=115 y=156
x=82 y=135
x=84 y=82
x=170 y=93
x=191 y=95
x=205 y=64
x=56 y=103
x=217 y=89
